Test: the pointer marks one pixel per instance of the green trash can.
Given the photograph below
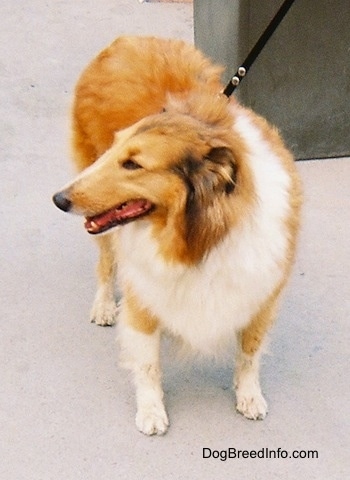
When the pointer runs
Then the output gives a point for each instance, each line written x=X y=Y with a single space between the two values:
x=301 y=80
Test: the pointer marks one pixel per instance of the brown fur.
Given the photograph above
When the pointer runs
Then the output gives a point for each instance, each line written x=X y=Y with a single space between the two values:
x=115 y=91
x=139 y=317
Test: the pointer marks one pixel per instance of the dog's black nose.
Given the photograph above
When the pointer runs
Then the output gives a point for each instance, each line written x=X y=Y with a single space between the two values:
x=61 y=201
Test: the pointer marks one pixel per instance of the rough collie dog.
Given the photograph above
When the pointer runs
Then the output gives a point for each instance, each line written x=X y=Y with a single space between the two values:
x=198 y=202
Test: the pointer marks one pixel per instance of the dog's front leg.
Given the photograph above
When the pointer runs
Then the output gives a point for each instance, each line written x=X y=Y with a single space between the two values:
x=139 y=337
x=250 y=400
x=104 y=309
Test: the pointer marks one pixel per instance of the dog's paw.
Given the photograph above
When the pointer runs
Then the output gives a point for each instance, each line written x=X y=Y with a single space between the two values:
x=104 y=313
x=251 y=404
x=152 y=420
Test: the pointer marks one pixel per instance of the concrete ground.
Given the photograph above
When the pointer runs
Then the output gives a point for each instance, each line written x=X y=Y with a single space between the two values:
x=66 y=409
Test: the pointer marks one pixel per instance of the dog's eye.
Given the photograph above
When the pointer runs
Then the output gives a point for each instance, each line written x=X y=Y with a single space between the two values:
x=130 y=165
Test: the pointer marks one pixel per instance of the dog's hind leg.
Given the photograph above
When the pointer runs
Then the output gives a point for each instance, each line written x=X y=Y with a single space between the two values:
x=139 y=339
x=104 y=309
x=250 y=401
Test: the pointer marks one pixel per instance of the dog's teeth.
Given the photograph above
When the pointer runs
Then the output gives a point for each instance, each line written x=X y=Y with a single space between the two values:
x=123 y=205
x=93 y=225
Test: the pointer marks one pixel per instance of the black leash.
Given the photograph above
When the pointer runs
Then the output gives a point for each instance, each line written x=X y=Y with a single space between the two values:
x=260 y=44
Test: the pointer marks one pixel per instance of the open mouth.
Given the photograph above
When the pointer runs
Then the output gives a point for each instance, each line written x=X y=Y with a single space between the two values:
x=119 y=215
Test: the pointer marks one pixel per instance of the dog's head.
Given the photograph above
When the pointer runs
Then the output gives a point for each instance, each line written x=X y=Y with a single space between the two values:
x=169 y=169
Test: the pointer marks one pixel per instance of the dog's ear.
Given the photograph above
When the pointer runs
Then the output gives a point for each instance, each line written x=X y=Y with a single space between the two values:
x=221 y=162
x=209 y=176
x=209 y=180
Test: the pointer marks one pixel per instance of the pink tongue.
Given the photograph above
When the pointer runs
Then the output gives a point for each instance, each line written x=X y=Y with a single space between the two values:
x=128 y=210
x=104 y=218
